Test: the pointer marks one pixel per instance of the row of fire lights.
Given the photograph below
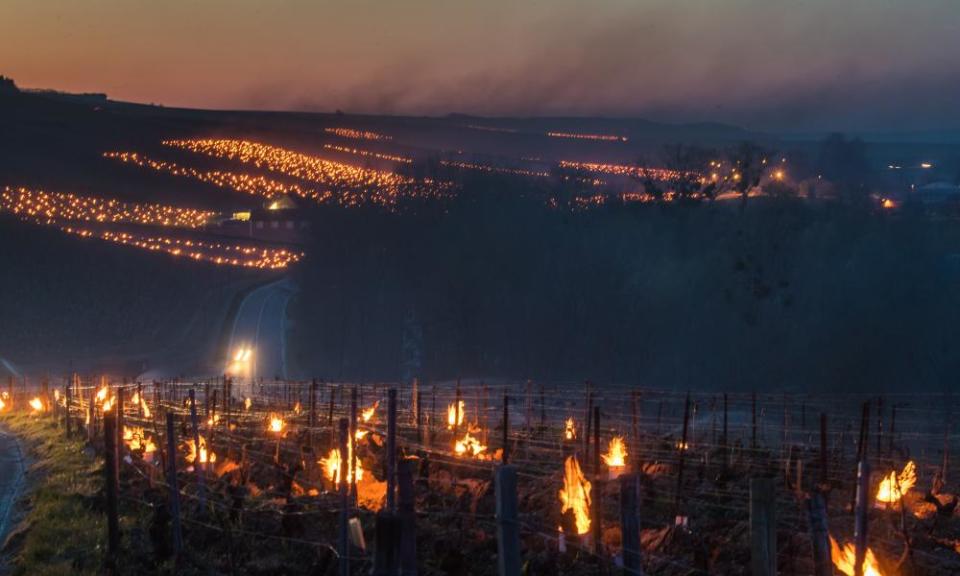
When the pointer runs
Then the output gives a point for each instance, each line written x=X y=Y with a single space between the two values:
x=574 y=496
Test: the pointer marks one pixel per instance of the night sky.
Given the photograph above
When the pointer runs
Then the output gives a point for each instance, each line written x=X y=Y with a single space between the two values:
x=798 y=65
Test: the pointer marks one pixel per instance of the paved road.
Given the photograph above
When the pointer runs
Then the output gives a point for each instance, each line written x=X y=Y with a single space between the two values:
x=11 y=479
x=260 y=326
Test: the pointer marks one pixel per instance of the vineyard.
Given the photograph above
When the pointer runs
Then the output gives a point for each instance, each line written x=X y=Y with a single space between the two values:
x=473 y=478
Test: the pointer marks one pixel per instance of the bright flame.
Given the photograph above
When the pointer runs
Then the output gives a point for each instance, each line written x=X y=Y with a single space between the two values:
x=296 y=408
x=241 y=361
x=331 y=468
x=205 y=456
x=108 y=404
x=846 y=559
x=213 y=420
x=143 y=404
x=36 y=404
x=576 y=494
x=616 y=455
x=893 y=487
x=455 y=416
x=102 y=394
x=2 y=404
x=137 y=440
x=247 y=403
x=470 y=446
x=570 y=432
x=368 y=413
x=276 y=424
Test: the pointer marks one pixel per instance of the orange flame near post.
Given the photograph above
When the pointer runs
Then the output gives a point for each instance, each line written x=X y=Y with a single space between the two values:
x=137 y=440
x=37 y=405
x=575 y=494
x=205 y=455
x=570 y=430
x=455 y=414
x=616 y=456
x=893 y=487
x=845 y=559
x=368 y=413
x=331 y=467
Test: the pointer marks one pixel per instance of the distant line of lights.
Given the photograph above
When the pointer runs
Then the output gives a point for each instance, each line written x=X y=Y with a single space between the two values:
x=350 y=185
x=582 y=136
x=48 y=207
x=663 y=174
x=491 y=128
x=247 y=183
x=212 y=252
x=489 y=168
x=368 y=153
x=357 y=134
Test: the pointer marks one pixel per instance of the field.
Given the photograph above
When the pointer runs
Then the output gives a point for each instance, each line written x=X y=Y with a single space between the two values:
x=263 y=493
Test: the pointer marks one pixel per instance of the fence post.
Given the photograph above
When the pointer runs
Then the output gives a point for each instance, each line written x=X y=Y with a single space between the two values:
x=112 y=469
x=508 y=533
x=597 y=505
x=505 y=455
x=763 y=528
x=408 y=518
x=352 y=452
x=343 y=544
x=630 y=525
x=819 y=535
x=861 y=519
x=391 y=449
x=198 y=465
x=681 y=455
x=824 y=459
x=174 y=489
x=68 y=396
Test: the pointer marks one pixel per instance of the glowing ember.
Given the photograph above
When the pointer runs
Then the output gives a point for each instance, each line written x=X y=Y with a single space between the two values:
x=846 y=559
x=470 y=447
x=37 y=404
x=893 y=487
x=455 y=414
x=570 y=430
x=276 y=424
x=575 y=494
x=205 y=456
x=616 y=456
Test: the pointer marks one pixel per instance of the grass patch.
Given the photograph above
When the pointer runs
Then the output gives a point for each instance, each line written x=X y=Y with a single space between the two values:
x=64 y=528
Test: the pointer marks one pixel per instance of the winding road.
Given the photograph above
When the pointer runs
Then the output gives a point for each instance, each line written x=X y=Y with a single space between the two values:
x=260 y=325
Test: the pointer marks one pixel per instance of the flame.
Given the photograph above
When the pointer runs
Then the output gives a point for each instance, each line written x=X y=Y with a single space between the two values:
x=575 y=494
x=361 y=434
x=455 y=413
x=2 y=404
x=102 y=394
x=108 y=404
x=205 y=455
x=616 y=455
x=241 y=361
x=570 y=431
x=296 y=408
x=137 y=440
x=276 y=424
x=331 y=467
x=143 y=404
x=471 y=447
x=213 y=420
x=893 y=487
x=37 y=404
x=682 y=446
x=247 y=403
x=367 y=414
x=846 y=559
